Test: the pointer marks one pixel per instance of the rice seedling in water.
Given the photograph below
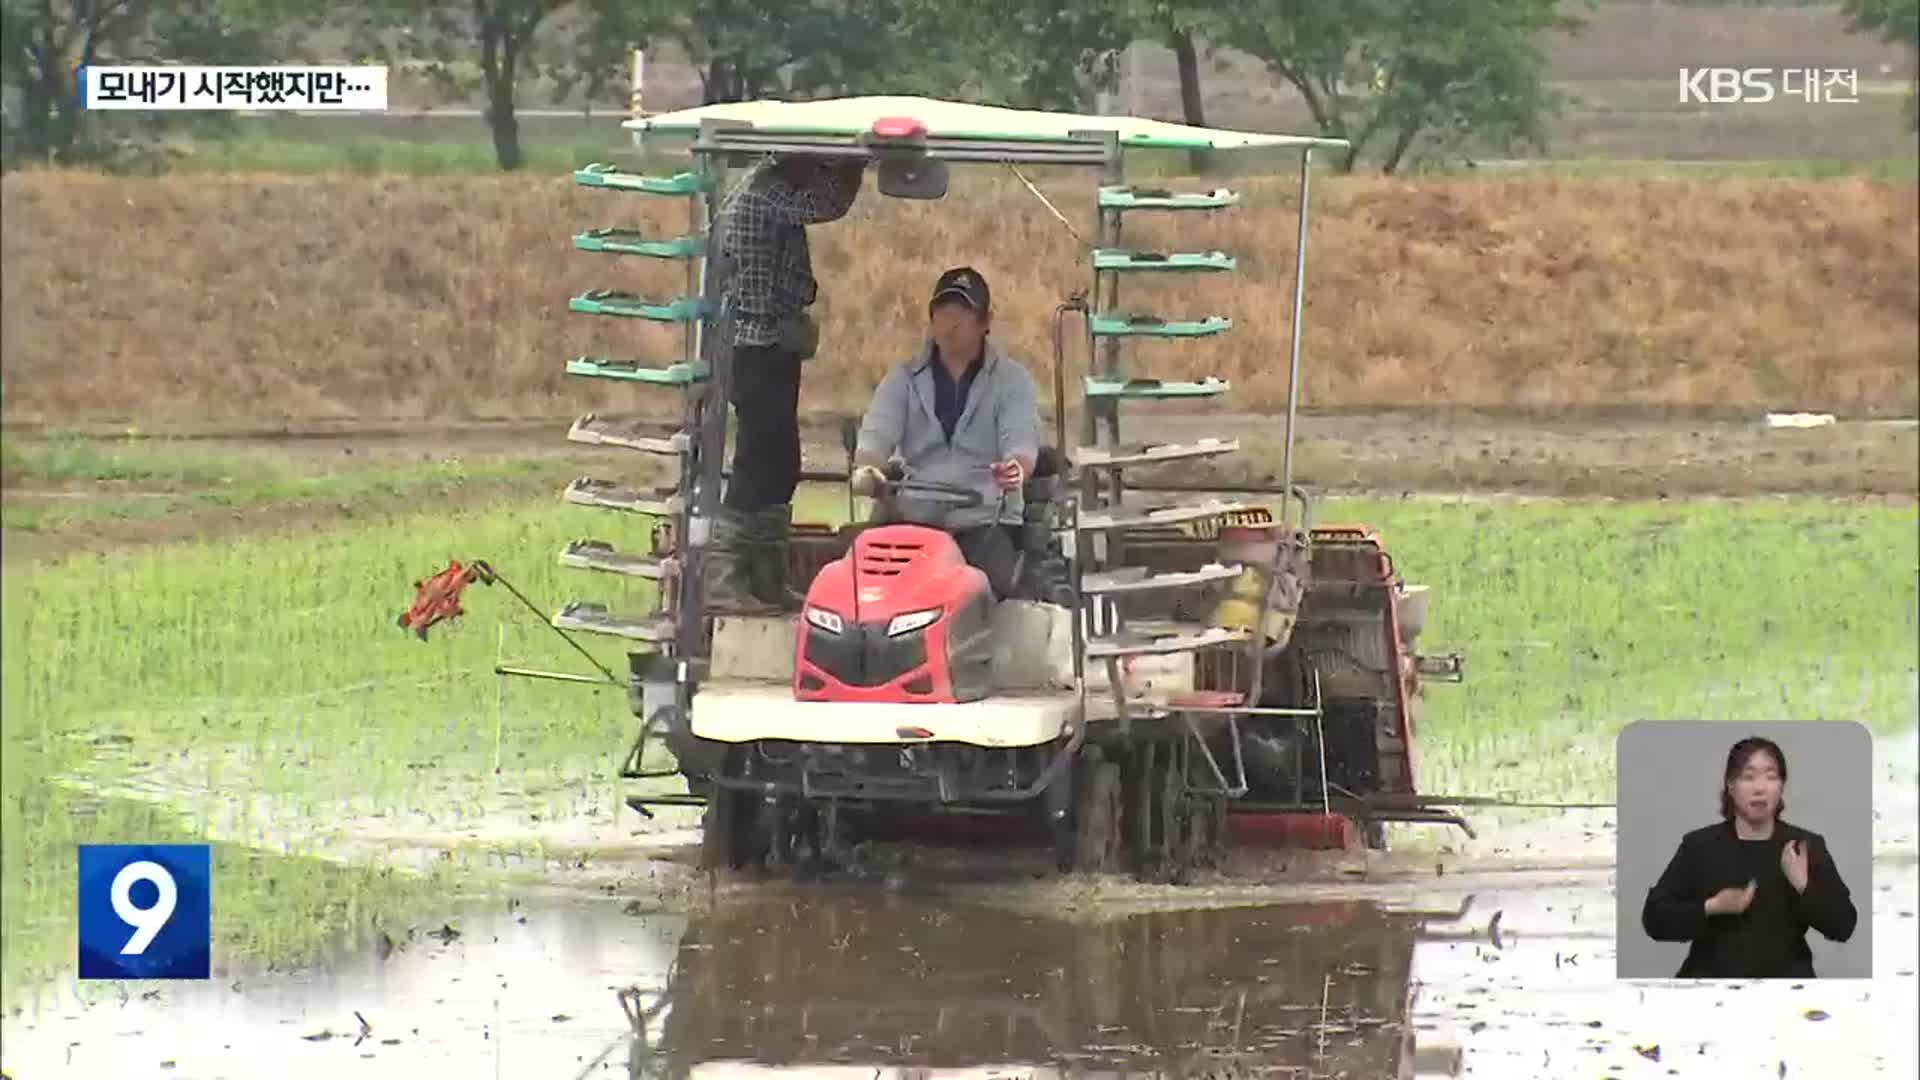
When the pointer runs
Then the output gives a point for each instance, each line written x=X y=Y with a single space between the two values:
x=1578 y=619
x=265 y=677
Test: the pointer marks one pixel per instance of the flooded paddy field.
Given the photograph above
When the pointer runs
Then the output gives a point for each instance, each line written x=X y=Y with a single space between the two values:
x=401 y=835
x=839 y=980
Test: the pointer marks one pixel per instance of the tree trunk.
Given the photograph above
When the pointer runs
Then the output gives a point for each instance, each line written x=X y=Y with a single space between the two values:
x=721 y=83
x=497 y=57
x=505 y=125
x=1408 y=132
x=36 y=118
x=1191 y=105
x=61 y=121
x=1913 y=98
x=50 y=121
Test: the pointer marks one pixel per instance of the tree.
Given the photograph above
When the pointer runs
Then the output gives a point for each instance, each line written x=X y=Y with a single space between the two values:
x=741 y=49
x=1183 y=26
x=1407 y=70
x=1030 y=54
x=500 y=31
x=1022 y=52
x=1895 y=22
x=43 y=46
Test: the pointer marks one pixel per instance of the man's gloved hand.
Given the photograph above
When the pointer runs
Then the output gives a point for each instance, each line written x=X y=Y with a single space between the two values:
x=1009 y=474
x=868 y=480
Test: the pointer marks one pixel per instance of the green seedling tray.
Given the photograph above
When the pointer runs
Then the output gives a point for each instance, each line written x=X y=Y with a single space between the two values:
x=633 y=371
x=634 y=242
x=1112 y=259
x=614 y=177
x=1102 y=387
x=628 y=305
x=1141 y=198
x=1116 y=325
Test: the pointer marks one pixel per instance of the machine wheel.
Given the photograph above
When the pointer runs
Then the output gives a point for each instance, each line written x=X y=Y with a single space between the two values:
x=726 y=831
x=1373 y=835
x=795 y=832
x=1206 y=837
x=1097 y=818
x=732 y=834
x=1137 y=819
x=1160 y=812
x=1175 y=816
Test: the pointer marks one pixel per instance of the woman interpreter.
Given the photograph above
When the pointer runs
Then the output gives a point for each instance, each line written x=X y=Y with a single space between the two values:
x=1745 y=891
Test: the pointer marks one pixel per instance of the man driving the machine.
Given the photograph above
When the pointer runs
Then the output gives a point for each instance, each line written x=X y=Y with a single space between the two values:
x=961 y=413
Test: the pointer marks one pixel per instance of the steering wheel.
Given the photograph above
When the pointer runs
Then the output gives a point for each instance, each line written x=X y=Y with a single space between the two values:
x=896 y=485
x=934 y=491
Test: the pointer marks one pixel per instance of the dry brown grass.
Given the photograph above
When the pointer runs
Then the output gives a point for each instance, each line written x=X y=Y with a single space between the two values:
x=264 y=299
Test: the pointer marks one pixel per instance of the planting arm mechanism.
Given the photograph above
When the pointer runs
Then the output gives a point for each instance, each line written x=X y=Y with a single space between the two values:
x=438 y=598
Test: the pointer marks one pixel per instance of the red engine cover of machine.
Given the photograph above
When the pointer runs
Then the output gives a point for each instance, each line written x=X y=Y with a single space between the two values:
x=898 y=569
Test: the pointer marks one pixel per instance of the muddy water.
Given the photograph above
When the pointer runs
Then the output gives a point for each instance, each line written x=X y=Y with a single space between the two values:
x=1501 y=983
x=1494 y=972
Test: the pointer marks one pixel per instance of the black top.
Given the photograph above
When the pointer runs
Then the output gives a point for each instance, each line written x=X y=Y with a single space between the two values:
x=1769 y=939
x=950 y=394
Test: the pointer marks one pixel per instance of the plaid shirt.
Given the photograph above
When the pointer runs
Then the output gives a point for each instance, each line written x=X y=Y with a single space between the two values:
x=763 y=236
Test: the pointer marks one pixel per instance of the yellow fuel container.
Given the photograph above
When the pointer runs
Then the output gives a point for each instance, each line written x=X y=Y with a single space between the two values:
x=1255 y=550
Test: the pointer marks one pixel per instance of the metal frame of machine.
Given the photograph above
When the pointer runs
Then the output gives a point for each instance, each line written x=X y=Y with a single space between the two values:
x=1169 y=770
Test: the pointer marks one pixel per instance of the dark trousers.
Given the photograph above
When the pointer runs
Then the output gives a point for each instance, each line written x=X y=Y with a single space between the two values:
x=766 y=447
x=993 y=551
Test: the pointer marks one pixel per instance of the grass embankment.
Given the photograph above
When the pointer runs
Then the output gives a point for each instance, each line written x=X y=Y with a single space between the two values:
x=263 y=679
x=251 y=300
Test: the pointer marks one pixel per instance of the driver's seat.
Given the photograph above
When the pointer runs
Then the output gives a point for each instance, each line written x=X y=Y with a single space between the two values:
x=1047 y=463
x=1044 y=574
x=1038 y=493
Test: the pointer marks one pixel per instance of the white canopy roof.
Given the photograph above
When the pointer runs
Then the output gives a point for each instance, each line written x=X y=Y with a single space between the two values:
x=852 y=116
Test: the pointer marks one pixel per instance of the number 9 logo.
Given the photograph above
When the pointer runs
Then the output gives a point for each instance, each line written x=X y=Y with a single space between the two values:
x=149 y=921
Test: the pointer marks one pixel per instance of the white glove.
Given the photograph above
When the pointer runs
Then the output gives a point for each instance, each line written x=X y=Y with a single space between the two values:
x=868 y=480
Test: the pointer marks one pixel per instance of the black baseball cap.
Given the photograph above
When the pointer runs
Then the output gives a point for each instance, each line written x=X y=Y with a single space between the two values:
x=966 y=283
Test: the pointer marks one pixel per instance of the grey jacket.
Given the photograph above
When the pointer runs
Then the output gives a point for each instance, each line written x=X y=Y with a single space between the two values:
x=1001 y=419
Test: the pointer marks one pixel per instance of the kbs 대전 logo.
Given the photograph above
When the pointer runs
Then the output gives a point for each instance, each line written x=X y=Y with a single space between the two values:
x=1757 y=86
x=145 y=911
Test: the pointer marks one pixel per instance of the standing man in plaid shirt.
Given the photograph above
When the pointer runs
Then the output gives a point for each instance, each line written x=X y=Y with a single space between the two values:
x=769 y=284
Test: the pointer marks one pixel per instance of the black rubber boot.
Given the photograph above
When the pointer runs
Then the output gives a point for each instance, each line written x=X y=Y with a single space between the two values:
x=770 y=565
x=728 y=567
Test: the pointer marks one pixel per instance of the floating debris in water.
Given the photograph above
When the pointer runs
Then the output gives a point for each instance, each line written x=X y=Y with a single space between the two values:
x=1815 y=1014
x=445 y=934
x=1651 y=1053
